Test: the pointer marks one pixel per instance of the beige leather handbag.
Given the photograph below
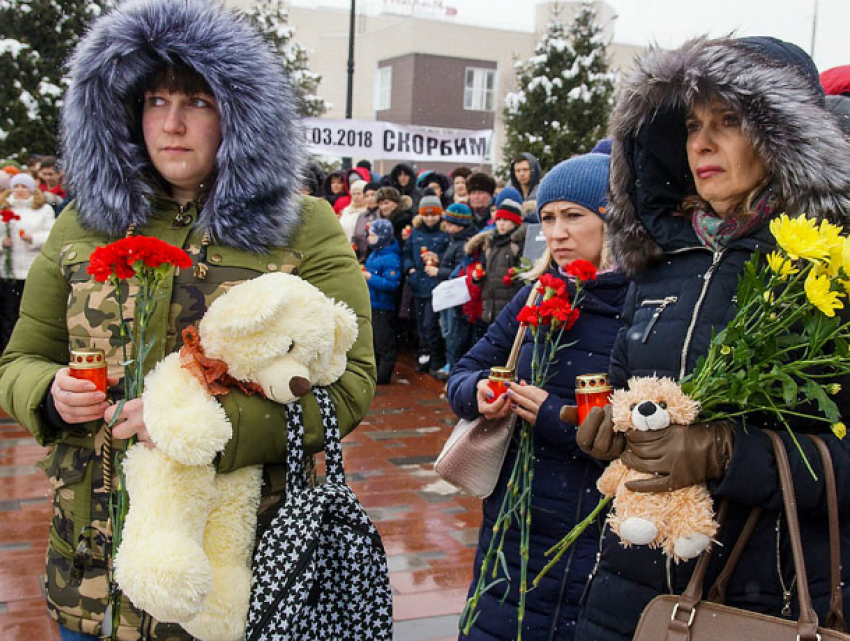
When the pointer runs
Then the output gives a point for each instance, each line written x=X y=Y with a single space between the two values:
x=474 y=453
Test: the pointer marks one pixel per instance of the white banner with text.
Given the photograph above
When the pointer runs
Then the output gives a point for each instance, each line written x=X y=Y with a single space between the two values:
x=377 y=139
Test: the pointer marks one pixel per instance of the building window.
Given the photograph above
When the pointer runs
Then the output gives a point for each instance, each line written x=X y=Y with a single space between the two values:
x=383 y=88
x=479 y=89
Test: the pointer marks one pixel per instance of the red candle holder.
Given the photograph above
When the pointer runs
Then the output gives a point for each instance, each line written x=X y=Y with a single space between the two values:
x=496 y=381
x=592 y=390
x=89 y=365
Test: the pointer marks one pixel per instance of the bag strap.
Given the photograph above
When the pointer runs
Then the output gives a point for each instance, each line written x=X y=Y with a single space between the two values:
x=807 y=624
x=835 y=616
x=520 y=334
x=717 y=592
x=295 y=472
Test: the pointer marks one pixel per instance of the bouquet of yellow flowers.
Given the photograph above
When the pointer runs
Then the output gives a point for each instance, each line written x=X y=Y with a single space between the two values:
x=783 y=351
x=786 y=345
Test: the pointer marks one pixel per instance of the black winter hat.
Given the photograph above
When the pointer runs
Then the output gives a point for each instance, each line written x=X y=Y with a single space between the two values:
x=479 y=181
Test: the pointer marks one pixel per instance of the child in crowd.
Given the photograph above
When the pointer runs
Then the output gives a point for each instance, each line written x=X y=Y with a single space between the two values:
x=395 y=207
x=29 y=224
x=421 y=258
x=353 y=219
x=382 y=271
x=456 y=332
x=498 y=251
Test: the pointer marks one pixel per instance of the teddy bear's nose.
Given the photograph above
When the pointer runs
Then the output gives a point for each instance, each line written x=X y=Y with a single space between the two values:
x=299 y=386
x=647 y=408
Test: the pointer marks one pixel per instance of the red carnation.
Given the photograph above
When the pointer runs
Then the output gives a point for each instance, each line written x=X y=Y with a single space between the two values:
x=582 y=270
x=529 y=316
x=557 y=309
x=507 y=280
x=8 y=216
x=549 y=282
x=120 y=256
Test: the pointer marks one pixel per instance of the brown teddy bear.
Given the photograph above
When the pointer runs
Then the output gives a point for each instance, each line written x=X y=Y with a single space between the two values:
x=680 y=521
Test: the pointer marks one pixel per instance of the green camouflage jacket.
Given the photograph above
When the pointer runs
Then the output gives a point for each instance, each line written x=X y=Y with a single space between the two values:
x=63 y=307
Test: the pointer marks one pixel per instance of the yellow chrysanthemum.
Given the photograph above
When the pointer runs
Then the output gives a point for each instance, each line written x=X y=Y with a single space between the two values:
x=837 y=247
x=781 y=266
x=839 y=429
x=819 y=293
x=800 y=238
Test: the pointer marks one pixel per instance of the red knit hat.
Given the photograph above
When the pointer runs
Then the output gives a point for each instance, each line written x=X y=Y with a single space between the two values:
x=509 y=210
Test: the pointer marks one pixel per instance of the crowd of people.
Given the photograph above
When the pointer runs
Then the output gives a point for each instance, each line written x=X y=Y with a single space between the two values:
x=465 y=224
x=31 y=196
x=708 y=142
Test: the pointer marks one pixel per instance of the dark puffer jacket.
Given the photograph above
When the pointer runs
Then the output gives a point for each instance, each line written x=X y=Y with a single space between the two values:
x=564 y=484
x=683 y=291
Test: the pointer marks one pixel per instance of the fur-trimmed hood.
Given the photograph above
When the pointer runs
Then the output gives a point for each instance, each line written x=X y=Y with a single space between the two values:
x=253 y=202
x=484 y=240
x=802 y=148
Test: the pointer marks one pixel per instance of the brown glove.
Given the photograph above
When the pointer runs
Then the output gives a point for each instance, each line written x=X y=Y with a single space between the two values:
x=680 y=455
x=596 y=435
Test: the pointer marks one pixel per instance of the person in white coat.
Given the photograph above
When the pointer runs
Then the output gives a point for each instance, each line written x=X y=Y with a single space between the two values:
x=30 y=220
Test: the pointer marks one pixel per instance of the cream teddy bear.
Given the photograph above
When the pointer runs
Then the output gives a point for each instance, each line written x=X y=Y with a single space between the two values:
x=189 y=533
x=680 y=521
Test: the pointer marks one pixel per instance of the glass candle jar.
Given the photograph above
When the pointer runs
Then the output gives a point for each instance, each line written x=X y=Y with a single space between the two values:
x=592 y=390
x=90 y=365
x=496 y=381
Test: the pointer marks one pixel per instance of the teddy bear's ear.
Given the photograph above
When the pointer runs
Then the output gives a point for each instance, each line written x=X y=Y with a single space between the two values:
x=248 y=307
x=345 y=328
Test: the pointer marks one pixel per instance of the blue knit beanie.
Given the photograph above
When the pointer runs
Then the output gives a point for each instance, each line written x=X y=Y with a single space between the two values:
x=458 y=214
x=582 y=180
x=383 y=229
x=507 y=192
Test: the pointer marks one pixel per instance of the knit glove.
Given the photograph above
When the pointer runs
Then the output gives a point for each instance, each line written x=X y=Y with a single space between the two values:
x=596 y=435
x=679 y=455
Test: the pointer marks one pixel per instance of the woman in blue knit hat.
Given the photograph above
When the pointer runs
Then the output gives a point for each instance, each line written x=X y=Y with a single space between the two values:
x=571 y=202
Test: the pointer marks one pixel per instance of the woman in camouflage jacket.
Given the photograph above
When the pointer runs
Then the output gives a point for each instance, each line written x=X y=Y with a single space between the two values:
x=187 y=133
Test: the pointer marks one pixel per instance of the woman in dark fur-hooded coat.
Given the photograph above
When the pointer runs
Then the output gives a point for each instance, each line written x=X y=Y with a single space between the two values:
x=244 y=218
x=669 y=128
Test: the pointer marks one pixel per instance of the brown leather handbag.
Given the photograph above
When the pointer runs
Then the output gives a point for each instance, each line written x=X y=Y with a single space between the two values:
x=688 y=617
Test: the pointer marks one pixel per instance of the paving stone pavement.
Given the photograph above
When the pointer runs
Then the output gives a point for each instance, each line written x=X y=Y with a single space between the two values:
x=429 y=529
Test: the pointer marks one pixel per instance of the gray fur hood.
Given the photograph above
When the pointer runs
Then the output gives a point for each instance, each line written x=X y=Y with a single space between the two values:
x=253 y=202
x=800 y=144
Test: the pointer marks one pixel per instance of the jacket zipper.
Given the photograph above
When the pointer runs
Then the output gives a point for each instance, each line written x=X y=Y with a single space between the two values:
x=706 y=281
x=296 y=572
x=662 y=305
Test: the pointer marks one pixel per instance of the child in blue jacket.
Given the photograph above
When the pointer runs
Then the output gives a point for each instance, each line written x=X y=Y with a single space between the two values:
x=382 y=271
x=421 y=260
